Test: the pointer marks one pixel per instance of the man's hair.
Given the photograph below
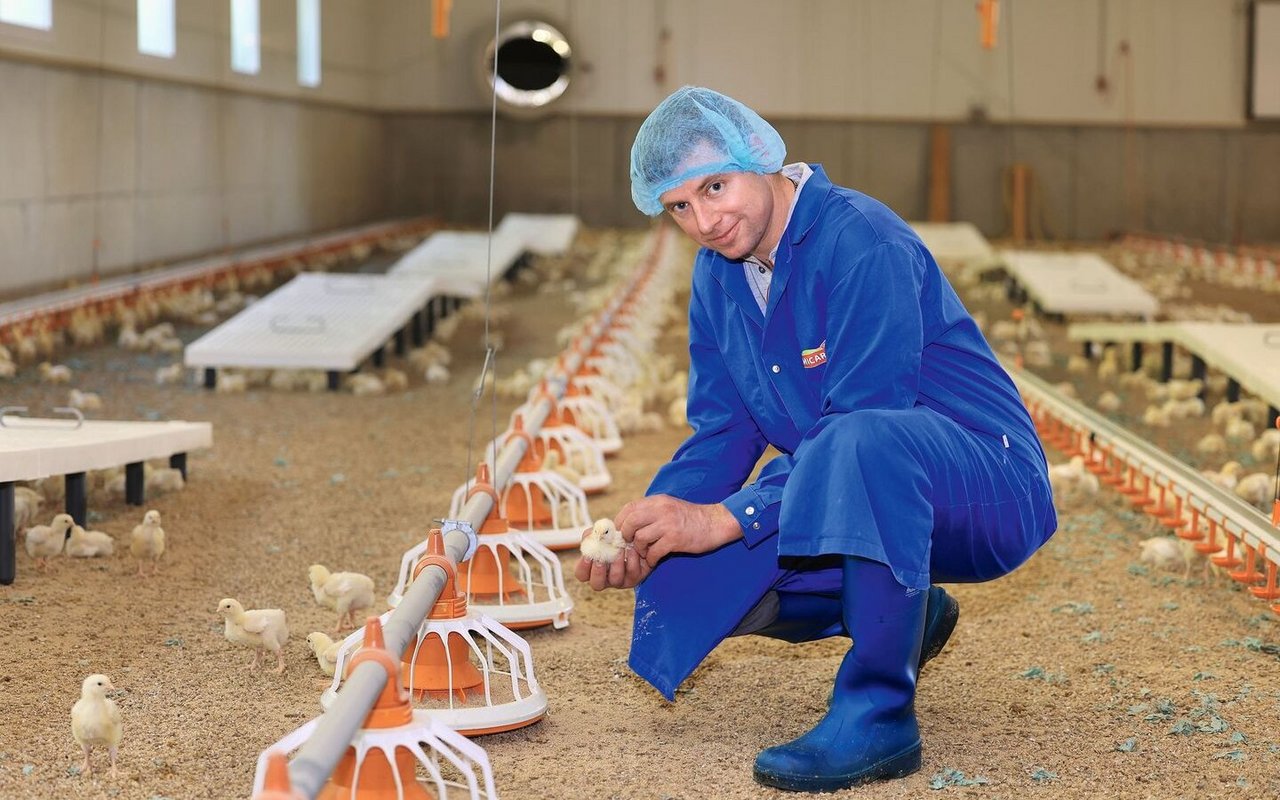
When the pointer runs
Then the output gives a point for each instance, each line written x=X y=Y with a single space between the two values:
x=696 y=132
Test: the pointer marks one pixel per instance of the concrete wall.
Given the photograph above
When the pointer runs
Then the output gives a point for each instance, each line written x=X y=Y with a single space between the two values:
x=1183 y=61
x=1089 y=181
x=854 y=84
x=160 y=159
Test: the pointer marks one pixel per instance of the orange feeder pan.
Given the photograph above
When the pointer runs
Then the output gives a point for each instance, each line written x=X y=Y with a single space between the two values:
x=385 y=755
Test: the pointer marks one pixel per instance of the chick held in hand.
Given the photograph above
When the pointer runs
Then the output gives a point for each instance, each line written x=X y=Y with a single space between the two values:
x=260 y=628
x=348 y=593
x=603 y=543
x=95 y=721
x=147 y=542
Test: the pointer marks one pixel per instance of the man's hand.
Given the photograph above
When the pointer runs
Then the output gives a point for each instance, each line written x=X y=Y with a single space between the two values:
x=627 y=570
x=660 y=525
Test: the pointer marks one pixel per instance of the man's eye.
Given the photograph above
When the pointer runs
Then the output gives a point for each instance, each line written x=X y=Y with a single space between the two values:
x=676 y=208
x=715 y=187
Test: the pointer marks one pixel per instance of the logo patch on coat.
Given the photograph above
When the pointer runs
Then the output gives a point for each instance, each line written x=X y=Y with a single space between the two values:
x=814 y=357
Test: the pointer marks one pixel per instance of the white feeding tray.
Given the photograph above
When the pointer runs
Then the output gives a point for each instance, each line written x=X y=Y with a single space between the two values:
x=955 y=242
x=543 y=234
x=33 y=447
x=462 y=256
x=317 y=321
x=1077 y=283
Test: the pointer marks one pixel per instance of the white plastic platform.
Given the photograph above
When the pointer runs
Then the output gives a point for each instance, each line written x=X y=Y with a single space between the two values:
x=543 y=234
x=1248 y=354
x=33 y=448
x=319 y=321
x=125 y=285
x=1077 y=283
x=955 y=242
x=462 y=256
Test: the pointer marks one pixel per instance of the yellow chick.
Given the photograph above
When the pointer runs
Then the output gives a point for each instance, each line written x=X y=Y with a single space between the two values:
x=89 y=544
x=551 y=463
x=603 y=543
x=1168 y=552
x=147 y=542
x=326 y=651
x=46 y=541
x=95 y=721
x=262 y=629
x=345 y=592
x=26 y=505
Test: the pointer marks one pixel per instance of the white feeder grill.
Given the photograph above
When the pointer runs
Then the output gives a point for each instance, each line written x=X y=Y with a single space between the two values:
x=624 y=372
x=602 y=389
x=595 y=419
x=434 y=746
x=581 y=453
x=528 y=703
x=558 y=491
x=547 y=600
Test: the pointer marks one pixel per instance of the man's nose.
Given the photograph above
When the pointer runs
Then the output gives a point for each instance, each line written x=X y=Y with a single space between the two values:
x=705 y=219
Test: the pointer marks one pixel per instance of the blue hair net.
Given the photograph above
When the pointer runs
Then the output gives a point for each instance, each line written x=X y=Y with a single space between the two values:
x=697 y=132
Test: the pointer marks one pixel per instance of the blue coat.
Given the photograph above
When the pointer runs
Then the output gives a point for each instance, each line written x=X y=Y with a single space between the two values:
x=859 y=317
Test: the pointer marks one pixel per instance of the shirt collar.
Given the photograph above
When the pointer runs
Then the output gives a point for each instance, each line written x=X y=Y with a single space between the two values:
x=799 y=174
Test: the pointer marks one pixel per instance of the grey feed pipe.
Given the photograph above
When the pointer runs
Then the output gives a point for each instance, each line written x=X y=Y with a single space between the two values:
x=316 y=760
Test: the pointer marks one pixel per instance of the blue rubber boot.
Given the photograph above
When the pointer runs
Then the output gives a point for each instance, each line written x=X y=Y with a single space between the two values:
x=869 y=732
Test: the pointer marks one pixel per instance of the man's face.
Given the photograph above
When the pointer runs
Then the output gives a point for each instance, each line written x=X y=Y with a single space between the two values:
x=728 y=212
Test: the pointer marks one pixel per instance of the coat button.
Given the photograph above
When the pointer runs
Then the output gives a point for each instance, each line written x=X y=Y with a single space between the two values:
x=776 y=369
x=755 y=525
x=751 y=510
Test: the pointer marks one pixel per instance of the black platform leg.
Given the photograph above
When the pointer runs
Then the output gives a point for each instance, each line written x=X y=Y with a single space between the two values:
x=1198 y=372
x=8 y=542
x=1166 y=365
x=1136 y=356
x=1272 y=414
x=135 y=483
x=416 y=333
x=401 y=342
x=76 y=496
x=1087 y=350
x=430 y=321
x=333 y=380
x=210 y=378
x=179 y=462
x=380 y=357
x=1233 y=390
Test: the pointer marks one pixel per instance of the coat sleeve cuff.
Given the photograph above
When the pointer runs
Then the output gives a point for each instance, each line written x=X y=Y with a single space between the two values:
x=759 y=520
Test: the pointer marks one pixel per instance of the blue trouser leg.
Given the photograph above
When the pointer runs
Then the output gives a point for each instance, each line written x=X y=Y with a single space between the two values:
x=916 y=491
x=869 y=731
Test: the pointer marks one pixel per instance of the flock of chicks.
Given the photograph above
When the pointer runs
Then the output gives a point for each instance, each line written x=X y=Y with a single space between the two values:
x=96 y=721
x=63 y=535
x=1134 y=394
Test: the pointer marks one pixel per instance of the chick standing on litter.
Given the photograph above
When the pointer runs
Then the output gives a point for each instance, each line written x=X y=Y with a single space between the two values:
x=1168 y=552
x=95 y=721
x=89 y=544
x=603 y=542
x=261 y=629
x=46 y=541
x=344 y=592
x=326 y=651
x=147 y=541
